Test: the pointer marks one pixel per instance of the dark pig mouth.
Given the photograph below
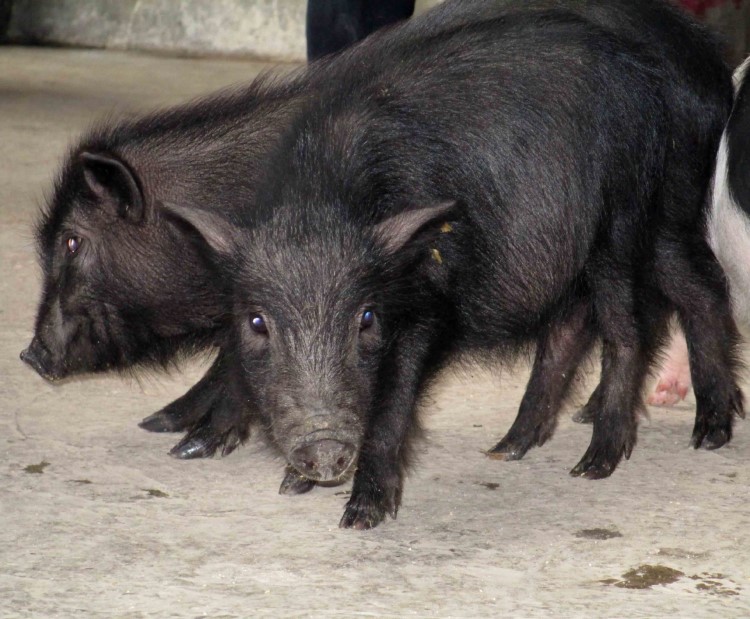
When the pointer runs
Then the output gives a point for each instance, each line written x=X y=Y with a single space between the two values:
x=37 y=357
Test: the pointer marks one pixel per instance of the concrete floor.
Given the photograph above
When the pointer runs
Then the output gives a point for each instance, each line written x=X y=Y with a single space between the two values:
x=97 y=520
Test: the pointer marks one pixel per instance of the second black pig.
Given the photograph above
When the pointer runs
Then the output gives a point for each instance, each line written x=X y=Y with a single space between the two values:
x=503 y=186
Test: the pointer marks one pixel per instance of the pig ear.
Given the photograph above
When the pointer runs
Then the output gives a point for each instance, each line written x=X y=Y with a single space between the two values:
x=395 y=232
x=218 y=233
x=114 y=184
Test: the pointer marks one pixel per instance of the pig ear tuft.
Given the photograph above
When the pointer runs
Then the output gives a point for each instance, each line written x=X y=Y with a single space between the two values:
x=114 y=184
x=218 y=233
x=396 y=231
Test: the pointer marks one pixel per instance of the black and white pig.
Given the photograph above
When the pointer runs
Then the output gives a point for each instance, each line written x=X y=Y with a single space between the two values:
x=729 y=220
x=509 y=183
x=728 y=234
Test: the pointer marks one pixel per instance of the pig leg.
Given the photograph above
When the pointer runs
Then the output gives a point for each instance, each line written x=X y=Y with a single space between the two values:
x=615 y=421
x=631 y=323
x=674 y=381
x=672 y=385
x=209 y=414
x=558 y=354
x=376 y=489
x=189 y=409
x=692 y=279
x=223 y=427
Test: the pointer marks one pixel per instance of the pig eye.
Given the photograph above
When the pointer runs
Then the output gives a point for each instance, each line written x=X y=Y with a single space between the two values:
x=258 y=324
x=367 y=320
x=73 y=244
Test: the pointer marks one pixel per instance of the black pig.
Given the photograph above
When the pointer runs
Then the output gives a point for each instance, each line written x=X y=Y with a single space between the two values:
x=484 y=195
x=124 y=286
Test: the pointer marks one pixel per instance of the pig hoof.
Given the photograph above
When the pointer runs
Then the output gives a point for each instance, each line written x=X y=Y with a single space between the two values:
x=711 y=438
x=713 y=430
x=601 y=462
x=507 y=451
x=366 y=512
x=362 y=515
x=178 y=416
x=203 y=442
x=190 y=448
x=717 y=438
x=160 y=421
x=231 y=441
x=593 y=470
x=737 y=404
x=515 y=444
x=295 y=483
x=584 y=415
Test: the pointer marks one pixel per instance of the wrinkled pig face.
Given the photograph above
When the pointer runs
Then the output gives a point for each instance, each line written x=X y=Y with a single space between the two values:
x=113 y=276
x=318 y=308
x=310 y=326
x=318 y=304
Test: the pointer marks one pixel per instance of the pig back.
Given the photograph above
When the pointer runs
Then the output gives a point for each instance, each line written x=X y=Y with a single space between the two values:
x=544 y=129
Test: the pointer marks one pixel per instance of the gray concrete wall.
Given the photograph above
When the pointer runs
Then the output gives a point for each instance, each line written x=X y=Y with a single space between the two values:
x=273 y=29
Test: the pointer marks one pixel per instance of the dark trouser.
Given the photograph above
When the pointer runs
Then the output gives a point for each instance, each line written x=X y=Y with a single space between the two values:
x=333 y=25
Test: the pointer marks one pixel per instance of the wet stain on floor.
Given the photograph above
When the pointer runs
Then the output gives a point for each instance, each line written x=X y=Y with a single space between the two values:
x=645 y=576
x=36 y=469
x=715 y=584
x=598 y=534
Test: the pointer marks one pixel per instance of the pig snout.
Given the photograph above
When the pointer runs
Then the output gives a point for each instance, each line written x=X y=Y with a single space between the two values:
x=39 y=358
x=324 y=459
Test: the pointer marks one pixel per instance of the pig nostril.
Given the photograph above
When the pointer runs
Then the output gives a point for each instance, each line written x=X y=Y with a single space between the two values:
x=310 y=466
x=341 y=461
